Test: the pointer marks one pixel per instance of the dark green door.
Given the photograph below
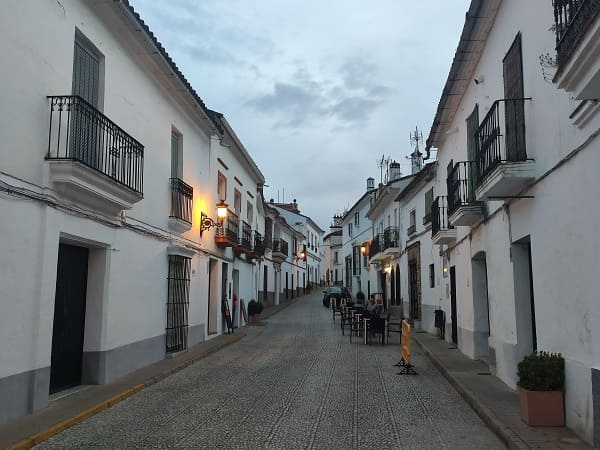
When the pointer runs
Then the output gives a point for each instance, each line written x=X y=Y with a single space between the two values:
x=69 y=317
x=86 y=130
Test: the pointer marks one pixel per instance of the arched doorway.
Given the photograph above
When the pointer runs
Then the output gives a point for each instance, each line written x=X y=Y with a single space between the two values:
x=481 y=311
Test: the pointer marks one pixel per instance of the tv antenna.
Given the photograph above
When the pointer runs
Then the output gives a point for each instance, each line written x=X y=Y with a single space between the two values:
x=381 y=163
x=416 y=156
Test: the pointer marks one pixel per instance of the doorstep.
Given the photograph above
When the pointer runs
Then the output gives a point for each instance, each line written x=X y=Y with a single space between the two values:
x=494 y=401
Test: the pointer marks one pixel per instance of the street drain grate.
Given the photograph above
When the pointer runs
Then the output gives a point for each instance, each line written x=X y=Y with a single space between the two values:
x=484 y=373
x=452 y=348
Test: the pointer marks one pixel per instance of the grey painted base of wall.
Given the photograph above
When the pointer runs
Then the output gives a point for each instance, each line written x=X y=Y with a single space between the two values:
x=103 y=367
x=23 y=393
x=427 y=318
x=195 y=334
x=269 y=300
x=596 y=405
x=474 y=344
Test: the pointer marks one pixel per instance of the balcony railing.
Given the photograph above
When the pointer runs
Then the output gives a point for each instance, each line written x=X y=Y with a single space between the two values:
x=79 y=132
x=427 y=218
x=259 y=244
x=411 y=230
x=391 y=238
x=280 y=246
x=230 y=227
x=572 y=19
x=493 y=147
x=246 y=237
x=376 y=245
x=439 y=215
x=182 y=195
x=461 y=182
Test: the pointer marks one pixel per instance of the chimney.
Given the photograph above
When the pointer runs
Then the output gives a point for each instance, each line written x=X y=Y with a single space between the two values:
x=370 y=184
x=394 y=171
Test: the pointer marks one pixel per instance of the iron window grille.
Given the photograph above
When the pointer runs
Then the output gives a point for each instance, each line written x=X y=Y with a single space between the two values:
x=439 y=215
x=178 y=303
x=182 y=195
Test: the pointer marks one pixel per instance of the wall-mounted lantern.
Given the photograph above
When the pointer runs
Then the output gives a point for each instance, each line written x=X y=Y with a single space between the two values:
x=206 y=223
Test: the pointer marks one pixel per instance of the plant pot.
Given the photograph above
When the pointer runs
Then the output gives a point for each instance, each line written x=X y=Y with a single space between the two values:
x=542 y=408
x=254 y=318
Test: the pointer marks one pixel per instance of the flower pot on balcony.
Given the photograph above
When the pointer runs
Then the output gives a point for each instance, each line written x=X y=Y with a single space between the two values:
x=542 y=408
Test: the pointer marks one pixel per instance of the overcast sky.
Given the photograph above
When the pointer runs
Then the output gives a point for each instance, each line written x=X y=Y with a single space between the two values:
x=316 y=90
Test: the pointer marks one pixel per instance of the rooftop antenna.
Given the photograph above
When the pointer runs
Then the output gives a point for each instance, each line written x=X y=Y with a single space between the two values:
x=381 y=163
x=416 y=156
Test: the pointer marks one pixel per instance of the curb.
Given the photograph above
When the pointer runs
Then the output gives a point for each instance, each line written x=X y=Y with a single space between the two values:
x=47 y=433
x=508 y=437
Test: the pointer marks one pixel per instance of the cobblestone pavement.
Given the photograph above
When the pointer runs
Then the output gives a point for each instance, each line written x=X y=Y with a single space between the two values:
x=297 y=384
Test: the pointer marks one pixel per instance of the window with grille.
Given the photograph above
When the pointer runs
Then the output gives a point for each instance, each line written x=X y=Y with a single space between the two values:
x=178 y=302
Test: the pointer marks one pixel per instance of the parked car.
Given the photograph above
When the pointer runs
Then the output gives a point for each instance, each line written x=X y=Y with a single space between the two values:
x=337 y=293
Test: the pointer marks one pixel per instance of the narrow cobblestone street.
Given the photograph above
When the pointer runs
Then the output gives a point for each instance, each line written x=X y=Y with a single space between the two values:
x=296 y=383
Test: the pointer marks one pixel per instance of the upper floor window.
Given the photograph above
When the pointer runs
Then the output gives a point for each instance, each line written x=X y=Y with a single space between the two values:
x=357 y=219
x=413 y=218
x=335 y=257
x=350 y=229
x=222 y=187
x=176 y=154
x=249 y=212
x=237 y=202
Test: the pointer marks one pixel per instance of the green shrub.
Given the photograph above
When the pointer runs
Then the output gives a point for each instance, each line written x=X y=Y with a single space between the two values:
x=254 y=307
x=542 y=371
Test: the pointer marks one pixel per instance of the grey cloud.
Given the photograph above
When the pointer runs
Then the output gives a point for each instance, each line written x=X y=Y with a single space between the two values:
x=302 y=99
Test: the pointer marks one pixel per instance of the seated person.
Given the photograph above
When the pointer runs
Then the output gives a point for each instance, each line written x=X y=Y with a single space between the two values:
x=373 y=309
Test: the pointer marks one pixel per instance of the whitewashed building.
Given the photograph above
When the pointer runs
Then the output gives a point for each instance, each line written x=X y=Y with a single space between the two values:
x=418 y=284
x=516 y=133
x=282 y=268
x=310 y=249
x=356 y=235
x=112 y=167
x=385 y=247
x=332 y=250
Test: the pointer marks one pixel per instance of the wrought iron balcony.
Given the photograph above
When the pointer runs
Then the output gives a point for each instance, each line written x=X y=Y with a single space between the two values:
x=92 y=156
x=391 y=238
x=441 y=230
x=501 y=159
x=227 y=235
x=572 y=19
x=246 y=236
x=376 y=245
x=259 y=245
x=279 y=250
x=463 y=208
x=182 y=195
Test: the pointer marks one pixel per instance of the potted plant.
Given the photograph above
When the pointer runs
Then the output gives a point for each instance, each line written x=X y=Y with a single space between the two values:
x=541 y=383
x=254 y=310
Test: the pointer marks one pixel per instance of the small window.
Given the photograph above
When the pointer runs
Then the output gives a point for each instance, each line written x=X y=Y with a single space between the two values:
x=413 y=218
x=222 y=187
x=335 y=259
x=250 y=213
x=428 y=202
x=431 y=276
x=237 y=202
x=357 y=219
x=350 y=229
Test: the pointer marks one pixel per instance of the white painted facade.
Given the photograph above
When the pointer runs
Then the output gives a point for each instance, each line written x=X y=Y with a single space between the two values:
x=356 y=234
x=45 y=203
x=386 y=247
x=538 y=249
x=332 y=250
x=311 y=245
